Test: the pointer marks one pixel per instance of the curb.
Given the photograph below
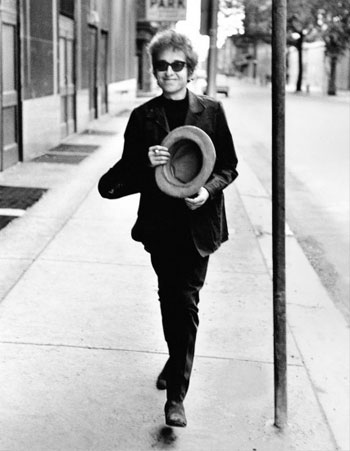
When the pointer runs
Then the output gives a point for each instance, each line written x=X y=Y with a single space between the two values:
x=319 y=330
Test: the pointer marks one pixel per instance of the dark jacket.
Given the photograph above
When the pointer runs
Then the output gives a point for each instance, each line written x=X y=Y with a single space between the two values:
x=147 y=127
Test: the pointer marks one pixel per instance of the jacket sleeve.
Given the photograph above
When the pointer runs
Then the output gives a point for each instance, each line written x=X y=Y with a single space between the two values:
x=133 y=151
x=226 y=159
x=127 y=175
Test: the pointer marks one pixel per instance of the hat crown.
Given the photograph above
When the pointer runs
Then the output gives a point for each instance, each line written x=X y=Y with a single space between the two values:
x=186 y=160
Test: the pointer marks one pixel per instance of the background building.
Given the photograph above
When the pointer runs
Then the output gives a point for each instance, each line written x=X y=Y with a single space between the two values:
x=63 y=63
x=316 y=68
x=244 y=57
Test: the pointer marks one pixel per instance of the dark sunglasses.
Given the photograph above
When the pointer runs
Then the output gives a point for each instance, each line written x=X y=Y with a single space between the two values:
x=162 y=66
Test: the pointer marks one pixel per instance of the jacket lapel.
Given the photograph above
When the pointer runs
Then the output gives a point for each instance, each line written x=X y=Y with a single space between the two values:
x=195 y=108
x=157 y=114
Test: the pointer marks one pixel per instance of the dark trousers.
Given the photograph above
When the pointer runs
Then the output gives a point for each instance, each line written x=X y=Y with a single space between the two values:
x=181 y=273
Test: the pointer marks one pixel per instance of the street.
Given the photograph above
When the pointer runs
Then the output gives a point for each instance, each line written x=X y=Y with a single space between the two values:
x=317 y=172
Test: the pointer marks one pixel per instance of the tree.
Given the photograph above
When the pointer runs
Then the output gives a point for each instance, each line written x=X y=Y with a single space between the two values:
x=333 y=21
x=301 y=27
x=258 y=19
x=257 y=24
x=255 y=16
x=230 y=18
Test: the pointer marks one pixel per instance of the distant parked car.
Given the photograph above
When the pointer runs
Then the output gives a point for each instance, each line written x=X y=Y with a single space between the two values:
x=200 y=83
x=221 y=85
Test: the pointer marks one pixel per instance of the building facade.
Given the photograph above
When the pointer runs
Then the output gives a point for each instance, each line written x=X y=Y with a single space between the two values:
x=63 y=63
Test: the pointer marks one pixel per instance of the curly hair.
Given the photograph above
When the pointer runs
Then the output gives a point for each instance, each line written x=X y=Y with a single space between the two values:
x=177 y=41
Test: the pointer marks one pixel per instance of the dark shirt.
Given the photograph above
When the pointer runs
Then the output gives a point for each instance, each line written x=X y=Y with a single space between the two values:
x=175 y=111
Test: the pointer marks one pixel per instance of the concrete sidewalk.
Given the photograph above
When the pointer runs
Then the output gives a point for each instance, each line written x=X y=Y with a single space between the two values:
x=81 y=341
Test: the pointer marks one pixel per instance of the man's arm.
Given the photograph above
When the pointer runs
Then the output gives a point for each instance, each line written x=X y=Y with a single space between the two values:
x=126 y=176
x=226 y=159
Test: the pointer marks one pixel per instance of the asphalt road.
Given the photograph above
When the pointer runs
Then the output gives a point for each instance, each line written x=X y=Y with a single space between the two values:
x=317 y=171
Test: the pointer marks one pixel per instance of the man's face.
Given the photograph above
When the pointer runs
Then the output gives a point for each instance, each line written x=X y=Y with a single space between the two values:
x=172 y=81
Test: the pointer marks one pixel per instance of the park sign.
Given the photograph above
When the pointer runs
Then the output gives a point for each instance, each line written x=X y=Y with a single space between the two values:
x=166 y=10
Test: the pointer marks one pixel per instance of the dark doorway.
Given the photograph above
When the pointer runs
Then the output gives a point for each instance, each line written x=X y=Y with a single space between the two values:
x=9 y=92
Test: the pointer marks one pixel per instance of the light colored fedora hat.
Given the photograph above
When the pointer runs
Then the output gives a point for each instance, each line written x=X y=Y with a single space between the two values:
x=192 y=159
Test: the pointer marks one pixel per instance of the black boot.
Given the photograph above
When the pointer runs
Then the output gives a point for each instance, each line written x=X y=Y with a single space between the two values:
x=175 y=414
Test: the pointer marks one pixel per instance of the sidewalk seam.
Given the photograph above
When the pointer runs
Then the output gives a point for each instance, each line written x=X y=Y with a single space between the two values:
x=98 y=262
x=142 y=351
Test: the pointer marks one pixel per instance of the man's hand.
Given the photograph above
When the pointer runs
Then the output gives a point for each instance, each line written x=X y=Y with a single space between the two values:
x=195 y=202
x=158 y=155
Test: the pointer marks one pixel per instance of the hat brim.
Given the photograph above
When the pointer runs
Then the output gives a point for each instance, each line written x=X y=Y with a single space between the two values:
x=165 y=178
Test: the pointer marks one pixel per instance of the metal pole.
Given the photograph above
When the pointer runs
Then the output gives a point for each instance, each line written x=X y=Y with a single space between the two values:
x=212 y=56
x=279 y=11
